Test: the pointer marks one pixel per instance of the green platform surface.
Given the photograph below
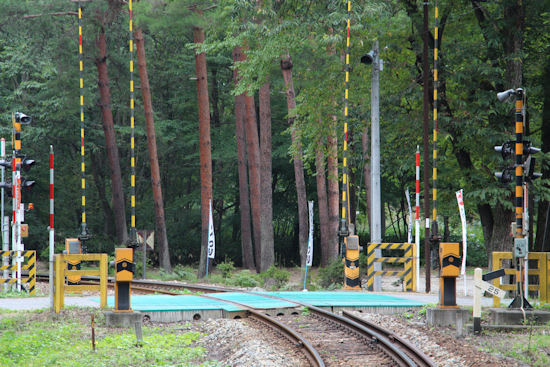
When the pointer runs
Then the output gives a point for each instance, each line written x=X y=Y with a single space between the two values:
x=149 y=303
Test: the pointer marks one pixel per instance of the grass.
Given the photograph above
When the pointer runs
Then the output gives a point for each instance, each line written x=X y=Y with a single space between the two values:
x=532 y=348
x=39 y=338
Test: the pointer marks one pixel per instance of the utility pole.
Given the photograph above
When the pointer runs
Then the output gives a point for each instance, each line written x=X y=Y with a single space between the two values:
x=426 y=80
x=376 y=211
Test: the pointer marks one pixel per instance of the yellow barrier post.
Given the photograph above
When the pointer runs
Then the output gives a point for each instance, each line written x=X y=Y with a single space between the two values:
x=408 y=273
x=61 y=272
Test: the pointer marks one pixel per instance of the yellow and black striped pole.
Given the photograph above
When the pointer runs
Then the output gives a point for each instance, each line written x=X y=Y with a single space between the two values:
x=519 y=164
x=350 y=243
x=434 y=172
x=133 y=233
x=83 y=227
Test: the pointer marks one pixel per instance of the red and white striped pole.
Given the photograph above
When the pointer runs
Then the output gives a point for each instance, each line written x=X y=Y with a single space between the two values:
x=13 y=220
x=417 y=221
x=51 y=229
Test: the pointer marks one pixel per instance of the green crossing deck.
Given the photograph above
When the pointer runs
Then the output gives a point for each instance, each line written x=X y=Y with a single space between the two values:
x=152 y=303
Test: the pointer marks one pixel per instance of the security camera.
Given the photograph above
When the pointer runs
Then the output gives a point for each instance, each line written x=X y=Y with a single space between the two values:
x=503 y=96
x=368 y=58
x=22 y=118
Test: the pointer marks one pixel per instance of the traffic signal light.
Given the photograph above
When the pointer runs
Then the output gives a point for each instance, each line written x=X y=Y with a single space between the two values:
x=27 y=163
x=508 y=151
x=21 y=118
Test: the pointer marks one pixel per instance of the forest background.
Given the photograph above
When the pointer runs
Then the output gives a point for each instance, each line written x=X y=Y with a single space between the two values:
x=266 y=81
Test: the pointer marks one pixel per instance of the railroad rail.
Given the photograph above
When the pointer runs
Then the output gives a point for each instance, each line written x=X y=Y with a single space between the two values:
x=399 y=351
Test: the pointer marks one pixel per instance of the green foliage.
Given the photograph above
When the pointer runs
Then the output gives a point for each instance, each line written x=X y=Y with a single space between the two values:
x=227 y=268
x=332 y=275
x=278 y=276
x=245 y=279
x=48 y=342
x=179 y=272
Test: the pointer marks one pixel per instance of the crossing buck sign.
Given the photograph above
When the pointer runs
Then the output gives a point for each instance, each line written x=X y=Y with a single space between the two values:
x=147 y=236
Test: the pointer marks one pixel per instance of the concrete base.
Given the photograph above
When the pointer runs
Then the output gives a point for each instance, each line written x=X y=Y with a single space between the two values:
x=470 y=327
x=507 y=316
x=447 y=316
x=122 y=319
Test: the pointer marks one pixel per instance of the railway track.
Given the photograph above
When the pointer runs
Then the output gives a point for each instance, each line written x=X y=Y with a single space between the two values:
x=324 y=338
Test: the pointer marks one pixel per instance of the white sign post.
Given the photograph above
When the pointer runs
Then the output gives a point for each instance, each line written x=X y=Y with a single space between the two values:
x=211 y=239
x=460 y=200
x=309 y=254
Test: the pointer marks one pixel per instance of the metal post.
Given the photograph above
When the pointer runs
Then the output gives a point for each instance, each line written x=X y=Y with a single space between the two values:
x=83 y=236
x=426 y=80
x=5 y=241
x=133 y=232
x=417 y=221
x=51 y=228
x=376 y=211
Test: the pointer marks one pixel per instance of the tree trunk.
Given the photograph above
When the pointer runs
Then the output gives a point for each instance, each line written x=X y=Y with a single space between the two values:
x=110 y=139
x=266 y=203
x=322 y=203
x=99 y=180
x=160 y=224
x=365 y=143
x=244 y=203
x=543 y=231
x=286 y=68
x=205 y=149
x=333 y=198
x=253 y=149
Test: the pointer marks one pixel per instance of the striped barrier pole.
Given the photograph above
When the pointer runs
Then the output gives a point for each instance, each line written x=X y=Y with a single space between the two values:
x=5 y=240
x=133 y=232
x=417 y=220
x=51 y=228
x=83 y=226
x=435 y=236
x=13 y=221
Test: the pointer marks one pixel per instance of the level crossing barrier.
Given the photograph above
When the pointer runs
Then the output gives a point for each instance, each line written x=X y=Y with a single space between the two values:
x=29 y=260
x=61 y=273
x=542 y=271
x=408 y=260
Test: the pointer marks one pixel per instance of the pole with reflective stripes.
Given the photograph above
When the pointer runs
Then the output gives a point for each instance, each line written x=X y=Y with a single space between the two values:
x=83 y=226
x=133 y=233
x=51 y=228
x=417 y=219
x=434 y=174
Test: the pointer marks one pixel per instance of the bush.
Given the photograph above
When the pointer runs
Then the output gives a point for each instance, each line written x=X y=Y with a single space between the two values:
x=179 y=272
x=226 y=268
x=245 y=279
x=333 y=275
x=278 y=277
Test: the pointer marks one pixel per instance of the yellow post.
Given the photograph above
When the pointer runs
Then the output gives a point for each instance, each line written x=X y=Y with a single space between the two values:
x=59 y=282
x=103 y=280
x=496 y=282
x=409 y=272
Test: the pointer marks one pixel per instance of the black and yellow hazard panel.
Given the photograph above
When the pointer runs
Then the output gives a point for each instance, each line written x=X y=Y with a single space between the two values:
x=449 y=258
x=124 y=274
x=29 y=265
x=73 y=246
x=408 y=261
x=351 y=270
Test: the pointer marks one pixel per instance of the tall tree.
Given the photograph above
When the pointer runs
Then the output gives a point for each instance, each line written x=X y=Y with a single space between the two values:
x=244 y=203
x=110 y=138
x=333 y=199
x=322 y=202
x=204 y=145
x=160 y=224
x=286 y=69
x=266 y=202
x=253 y=150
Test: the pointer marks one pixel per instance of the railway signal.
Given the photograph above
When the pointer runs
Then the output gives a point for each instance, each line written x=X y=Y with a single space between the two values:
x=524 y=165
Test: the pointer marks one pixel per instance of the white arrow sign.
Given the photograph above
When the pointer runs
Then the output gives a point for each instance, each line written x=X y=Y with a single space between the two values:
x=489 y=288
